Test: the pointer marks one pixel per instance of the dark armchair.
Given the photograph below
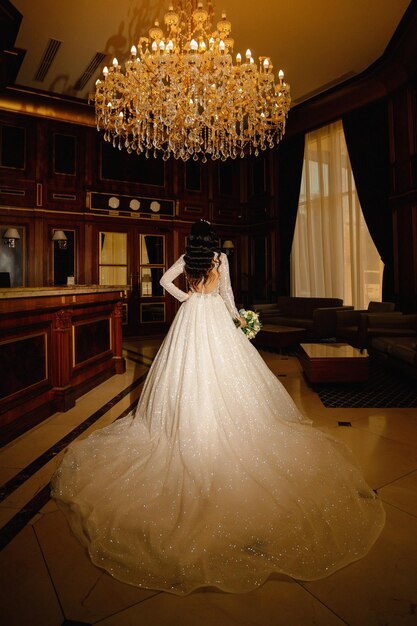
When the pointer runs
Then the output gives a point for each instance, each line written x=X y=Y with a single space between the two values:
x=392 y=339
x=351 y=326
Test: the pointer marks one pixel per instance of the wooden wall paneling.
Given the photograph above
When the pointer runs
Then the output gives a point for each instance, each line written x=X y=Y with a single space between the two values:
x=63 y=393
x=192 y=191
x=228 y=212
x=392 y=152
x=270 y=173
x=26 y=346
x=18 y=181
x=243 y=270
x=406 y=259
x=413 y=302
x=17 y=192
x=87 y=255
x=38 y=261
x=226 y=187
x=40 y=158
x=117 y=338
x=260 y=185
x=403 y=148
x=395 y=243
x=389 y=73
x=64 y=191
x=48 y=367
x=401 y=124
x=273 y=263
x=30 y=348
x=133 y=279
x=117 y=171
x=92 y=159
x=171 y=177
x=412 y=116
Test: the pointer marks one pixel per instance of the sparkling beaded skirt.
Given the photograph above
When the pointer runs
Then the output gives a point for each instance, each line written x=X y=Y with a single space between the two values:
x=216 y=480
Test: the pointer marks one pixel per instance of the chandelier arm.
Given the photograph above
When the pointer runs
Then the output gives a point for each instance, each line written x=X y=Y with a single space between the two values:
x=181 y=95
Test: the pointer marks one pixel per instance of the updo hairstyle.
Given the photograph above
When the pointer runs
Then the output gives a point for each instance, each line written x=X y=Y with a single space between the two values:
x=202 y=249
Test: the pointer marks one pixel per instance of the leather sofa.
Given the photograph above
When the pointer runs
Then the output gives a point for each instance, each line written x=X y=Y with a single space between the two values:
x=351 y=325
x=392 y=339
x=316 y=315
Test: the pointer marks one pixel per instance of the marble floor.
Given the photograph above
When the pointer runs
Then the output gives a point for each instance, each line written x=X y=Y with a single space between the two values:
x=48 y=580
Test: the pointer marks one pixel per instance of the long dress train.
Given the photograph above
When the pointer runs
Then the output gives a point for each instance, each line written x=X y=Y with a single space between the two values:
x=216 y=480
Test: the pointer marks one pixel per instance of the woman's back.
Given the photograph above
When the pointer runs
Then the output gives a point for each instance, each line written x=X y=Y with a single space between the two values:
x=210 y=284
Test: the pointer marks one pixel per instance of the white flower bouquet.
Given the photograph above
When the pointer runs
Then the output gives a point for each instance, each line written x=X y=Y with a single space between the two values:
x=253 y=324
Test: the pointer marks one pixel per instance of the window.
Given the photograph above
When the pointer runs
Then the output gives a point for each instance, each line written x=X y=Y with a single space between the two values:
x=112 y=258
x=152 y=265
x=333 y=254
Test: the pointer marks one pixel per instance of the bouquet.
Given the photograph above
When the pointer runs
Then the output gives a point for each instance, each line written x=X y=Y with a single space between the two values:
x=253 y=325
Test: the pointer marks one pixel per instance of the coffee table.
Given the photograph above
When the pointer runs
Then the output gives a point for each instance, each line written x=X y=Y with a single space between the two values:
x=277 y=337
x=333 y=362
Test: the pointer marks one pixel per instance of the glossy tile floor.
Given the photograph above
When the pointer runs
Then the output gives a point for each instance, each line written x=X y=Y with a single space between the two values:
x=48 y=580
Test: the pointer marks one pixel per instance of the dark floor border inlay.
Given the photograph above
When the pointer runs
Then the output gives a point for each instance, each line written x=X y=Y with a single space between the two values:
x=28 y=471
x=143 y=357
x=31 y=508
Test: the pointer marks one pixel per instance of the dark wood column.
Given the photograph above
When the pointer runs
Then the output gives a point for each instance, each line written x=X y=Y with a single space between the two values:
x=63 y=393
x=403 y=157
x=119 y=361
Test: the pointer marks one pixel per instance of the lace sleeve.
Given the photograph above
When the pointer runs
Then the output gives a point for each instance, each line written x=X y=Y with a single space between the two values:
x=226 y=291
x=170 y=275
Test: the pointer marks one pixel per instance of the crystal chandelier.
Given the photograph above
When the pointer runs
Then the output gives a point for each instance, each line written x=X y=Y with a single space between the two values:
x=180 y=94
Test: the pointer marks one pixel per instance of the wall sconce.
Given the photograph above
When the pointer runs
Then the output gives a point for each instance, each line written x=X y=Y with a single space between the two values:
x=9 y=237
x=61 y=238
x=228 y=246
x=146 y=287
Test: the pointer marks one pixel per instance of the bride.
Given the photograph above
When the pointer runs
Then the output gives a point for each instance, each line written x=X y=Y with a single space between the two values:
x=216 y=480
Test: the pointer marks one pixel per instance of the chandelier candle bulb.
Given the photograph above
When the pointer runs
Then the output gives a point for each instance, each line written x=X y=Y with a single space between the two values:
x=182 y=94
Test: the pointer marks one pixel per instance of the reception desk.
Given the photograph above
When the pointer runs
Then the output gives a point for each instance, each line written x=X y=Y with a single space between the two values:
x=55 y=344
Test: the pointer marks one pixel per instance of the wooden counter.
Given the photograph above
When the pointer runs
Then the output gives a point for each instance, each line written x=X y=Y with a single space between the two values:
x=55 y=344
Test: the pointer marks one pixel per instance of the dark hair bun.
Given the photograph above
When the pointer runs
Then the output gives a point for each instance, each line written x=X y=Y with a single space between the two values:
x=202 y=228
x=202 y=243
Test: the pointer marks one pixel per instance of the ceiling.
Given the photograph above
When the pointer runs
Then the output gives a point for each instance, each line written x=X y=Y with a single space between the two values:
x=317 y=43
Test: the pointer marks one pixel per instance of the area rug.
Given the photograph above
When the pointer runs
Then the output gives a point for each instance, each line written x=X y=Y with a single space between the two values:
x=384 y=388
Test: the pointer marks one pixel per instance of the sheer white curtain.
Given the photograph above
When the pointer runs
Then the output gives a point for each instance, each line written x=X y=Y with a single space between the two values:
x=333 y=254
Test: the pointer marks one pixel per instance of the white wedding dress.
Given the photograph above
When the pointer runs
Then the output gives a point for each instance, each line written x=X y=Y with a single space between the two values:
x=216 y=480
